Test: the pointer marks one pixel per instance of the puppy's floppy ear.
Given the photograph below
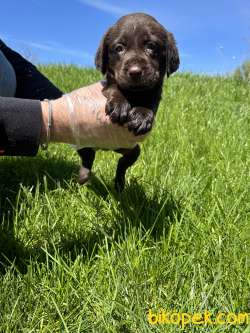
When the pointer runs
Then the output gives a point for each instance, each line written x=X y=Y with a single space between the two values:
x=173 y=60
x=101 y=57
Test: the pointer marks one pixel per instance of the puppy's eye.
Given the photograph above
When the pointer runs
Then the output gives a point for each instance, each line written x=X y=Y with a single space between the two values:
x=119 y=48
x=150 y=47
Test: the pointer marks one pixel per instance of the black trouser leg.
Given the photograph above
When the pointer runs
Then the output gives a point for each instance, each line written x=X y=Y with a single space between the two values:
x=30 y=82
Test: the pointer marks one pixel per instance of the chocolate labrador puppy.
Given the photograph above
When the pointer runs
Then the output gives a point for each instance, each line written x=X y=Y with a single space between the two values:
x=134 y=55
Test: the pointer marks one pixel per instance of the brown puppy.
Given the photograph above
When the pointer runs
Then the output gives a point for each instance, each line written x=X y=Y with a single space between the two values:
x=134 y=55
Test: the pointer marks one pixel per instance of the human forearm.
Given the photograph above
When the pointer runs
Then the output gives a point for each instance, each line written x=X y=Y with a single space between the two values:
x=20 y=126
x=77 y=118
x=60 y=126
x=87 y=102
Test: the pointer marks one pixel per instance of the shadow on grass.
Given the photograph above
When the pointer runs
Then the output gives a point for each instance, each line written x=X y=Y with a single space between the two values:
x=29 y=172
x=153 y=212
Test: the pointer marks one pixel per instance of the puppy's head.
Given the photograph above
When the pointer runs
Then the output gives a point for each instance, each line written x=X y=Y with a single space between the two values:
x=137 y=52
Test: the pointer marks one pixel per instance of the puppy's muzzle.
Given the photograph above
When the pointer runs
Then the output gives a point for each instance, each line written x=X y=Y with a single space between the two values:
x=135 y=72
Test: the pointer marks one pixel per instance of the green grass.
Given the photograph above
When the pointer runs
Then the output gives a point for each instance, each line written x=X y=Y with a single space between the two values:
x=84 y=259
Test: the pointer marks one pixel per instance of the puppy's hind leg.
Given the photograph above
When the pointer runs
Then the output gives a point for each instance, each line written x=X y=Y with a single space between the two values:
x=87 y=156
x=129 y=158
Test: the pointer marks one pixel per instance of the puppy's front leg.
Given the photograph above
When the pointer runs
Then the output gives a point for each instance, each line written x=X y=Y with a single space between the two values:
x=117 y=106
x=129 y=158
x=87 y=156
x=140 y=120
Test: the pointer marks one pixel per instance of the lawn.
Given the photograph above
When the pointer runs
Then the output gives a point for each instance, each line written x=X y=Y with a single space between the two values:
x=85 y=259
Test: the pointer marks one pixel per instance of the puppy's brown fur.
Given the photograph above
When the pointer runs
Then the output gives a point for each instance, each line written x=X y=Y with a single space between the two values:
x=134 y=55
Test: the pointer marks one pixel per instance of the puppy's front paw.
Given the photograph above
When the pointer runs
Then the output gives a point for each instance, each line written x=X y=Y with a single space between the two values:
x=140 y=120
x=117 y=110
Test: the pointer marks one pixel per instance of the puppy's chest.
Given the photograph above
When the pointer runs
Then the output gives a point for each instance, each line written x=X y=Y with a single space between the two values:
x=144 y=99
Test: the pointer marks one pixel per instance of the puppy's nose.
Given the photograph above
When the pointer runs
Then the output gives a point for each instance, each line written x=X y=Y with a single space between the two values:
x=135 y=71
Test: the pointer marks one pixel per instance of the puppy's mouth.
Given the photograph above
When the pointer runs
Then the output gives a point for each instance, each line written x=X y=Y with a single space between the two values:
x=144 y=82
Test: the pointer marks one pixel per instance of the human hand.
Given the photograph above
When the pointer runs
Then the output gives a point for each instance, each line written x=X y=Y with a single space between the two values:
x=79 y=118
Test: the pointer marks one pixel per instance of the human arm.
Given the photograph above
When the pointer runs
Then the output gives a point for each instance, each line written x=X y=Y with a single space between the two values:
x=80 y=119
x=23 y=123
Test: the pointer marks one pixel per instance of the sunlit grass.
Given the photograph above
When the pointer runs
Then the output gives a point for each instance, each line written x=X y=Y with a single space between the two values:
x=84 y=259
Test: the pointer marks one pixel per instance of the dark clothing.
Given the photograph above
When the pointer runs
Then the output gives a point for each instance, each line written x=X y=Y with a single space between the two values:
x=20 y=126
x=20 y=120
